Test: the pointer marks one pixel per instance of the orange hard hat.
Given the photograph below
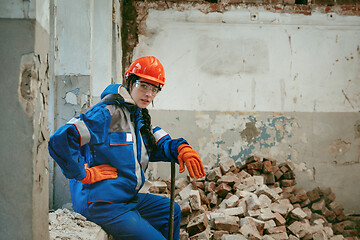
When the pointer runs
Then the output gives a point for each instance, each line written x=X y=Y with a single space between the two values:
x=148 y=68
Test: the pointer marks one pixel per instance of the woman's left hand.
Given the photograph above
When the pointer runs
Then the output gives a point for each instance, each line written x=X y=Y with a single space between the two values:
x=192 y=161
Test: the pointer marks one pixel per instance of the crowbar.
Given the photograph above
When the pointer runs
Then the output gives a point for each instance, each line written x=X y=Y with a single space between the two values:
x=172 y=201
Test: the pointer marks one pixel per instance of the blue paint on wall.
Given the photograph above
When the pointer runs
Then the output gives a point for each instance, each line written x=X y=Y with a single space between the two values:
x=218 y=143
x=243 y=154
x=271 y=134
x=75 y=91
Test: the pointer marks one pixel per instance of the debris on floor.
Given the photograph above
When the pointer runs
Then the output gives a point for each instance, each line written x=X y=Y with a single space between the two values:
x=68 y=225
x=258 y=200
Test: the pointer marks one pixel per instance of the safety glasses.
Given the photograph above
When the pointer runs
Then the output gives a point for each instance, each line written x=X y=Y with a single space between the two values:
x=145 y=87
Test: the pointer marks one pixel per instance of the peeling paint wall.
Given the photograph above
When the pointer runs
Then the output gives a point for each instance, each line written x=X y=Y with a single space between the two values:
x=249 y=80
x=24 y=173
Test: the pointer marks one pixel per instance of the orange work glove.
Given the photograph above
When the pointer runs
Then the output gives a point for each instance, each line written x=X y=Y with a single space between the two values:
x=192 y=161
x=99 y=173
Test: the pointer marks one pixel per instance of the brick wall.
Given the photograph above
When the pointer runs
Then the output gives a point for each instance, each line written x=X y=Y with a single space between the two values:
x=341 y=7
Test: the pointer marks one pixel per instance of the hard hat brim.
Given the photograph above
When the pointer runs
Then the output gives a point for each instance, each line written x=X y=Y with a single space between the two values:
x=151 y=80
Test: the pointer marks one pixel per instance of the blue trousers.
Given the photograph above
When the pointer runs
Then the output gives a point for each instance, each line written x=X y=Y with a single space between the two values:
x=146 y=217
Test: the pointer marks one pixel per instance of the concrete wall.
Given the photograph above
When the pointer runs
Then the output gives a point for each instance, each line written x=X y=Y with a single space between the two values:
x=252 y=81
x=24 y=176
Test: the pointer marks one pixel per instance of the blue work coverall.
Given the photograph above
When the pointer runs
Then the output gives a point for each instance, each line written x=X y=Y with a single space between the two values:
x=109 y=133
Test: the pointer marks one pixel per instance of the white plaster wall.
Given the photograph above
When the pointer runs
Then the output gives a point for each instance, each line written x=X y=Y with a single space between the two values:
x=101 y=46
x=253 y=60
x=17 y=8
x=43 y=14
x=73 y=37
x=84 y=41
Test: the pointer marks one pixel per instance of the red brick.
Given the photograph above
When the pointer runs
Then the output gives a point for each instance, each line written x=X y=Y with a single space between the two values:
x=237 y=169
x=223 y=189
x=279 y=219
x=289 y=175
x=218 y=234
x=329 y=198
x=229 y=180
x=338 y=228
x=267 y=167
x=284 y=169
x=288 y=183
x=305 y=203
x=278 y=174
x=278 y=229
x=254 y=172
x=326 y=192
x=329 y=215
x=210 y=186
x=269 y=178
x=301 y=194
x=341 y=217
x=313 y=195
x=259 y=166
x=336 y=207
x=294 y=199
x=319 y=207
x=198 y=224
x=315 y=216
x=251 y=166
x=228 y=223
x=273 y=161
x=350 y=233
x=200 y=185
x=349 y=224
x=252 y=159
x=291 y=189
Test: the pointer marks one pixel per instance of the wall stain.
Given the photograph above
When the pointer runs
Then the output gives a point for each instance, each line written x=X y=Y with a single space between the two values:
x=338 y=148
x=250 y=132
x=357 y=129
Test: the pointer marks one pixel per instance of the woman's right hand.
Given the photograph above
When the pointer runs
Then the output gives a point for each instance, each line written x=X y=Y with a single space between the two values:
x=192 y=161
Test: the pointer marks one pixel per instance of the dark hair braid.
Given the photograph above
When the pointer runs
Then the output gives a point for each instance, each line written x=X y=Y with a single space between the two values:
x=146 y=130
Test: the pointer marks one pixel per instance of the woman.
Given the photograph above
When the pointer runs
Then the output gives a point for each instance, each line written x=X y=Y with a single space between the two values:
x=106 y=151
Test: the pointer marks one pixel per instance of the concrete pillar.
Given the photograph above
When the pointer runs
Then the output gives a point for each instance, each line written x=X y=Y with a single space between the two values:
x=24 y=178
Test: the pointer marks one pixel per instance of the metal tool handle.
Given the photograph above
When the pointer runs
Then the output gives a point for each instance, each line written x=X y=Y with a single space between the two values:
x=172 y=201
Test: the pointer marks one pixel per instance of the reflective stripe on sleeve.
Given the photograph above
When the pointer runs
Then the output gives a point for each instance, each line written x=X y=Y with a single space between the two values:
x=160 y=134
x=82 y=130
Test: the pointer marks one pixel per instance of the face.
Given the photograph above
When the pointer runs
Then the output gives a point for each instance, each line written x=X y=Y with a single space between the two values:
x=143 y=93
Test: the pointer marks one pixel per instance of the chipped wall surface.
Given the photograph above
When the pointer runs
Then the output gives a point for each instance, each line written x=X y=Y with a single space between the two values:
x=73 y=98
x=249 y=81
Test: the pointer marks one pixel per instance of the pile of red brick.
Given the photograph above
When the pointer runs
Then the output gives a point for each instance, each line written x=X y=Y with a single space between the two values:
x=258 y=200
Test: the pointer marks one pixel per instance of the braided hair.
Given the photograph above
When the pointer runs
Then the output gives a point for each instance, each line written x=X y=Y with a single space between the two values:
x=146 y=130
